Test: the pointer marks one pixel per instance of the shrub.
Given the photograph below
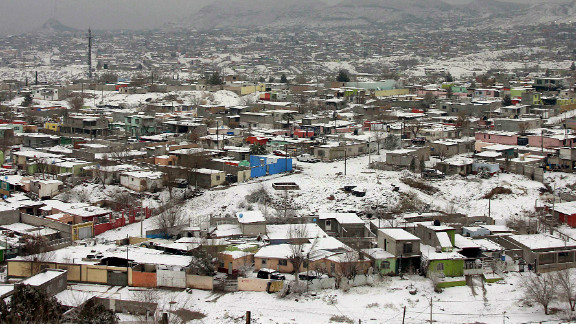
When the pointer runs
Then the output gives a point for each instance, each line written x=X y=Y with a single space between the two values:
x=497 y=191
x=422 y=186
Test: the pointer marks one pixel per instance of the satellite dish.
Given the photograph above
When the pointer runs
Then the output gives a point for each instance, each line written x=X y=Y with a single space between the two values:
x=240 y=215
x=314 y=219
x=5 y=197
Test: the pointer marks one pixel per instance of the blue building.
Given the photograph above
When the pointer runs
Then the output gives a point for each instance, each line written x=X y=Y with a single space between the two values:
x=261 y=166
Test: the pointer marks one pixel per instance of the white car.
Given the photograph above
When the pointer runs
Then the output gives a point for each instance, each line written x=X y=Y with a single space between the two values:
x=307 y=158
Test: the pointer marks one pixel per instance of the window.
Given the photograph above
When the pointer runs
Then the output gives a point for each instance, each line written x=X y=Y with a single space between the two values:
x=407 y=248
x=283 y=262
x=440 y=267
x=217 y=178
x=328 y=223
x=384 y=265
x=264 y=262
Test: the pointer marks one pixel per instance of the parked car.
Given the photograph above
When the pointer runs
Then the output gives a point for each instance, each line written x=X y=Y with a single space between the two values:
x=311 y=275
x=432 y=174
x=270 y=274
x=307 y=158
x=280 y=153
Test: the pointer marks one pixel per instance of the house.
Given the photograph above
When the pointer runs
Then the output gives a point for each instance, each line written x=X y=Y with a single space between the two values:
x=322 y=254
x=404 y=246
x=12 y=183
x=232 y=262
x=142 y=180
x=475 y=231
x=435 y=234
x=252 y=223
x=262 y=165
x=435 y=263
x=383 y=262
x=446 y=148
x=138 y=125
x=542 y=252
x=208 y=178
x=405 y=158
x=329 y=152
x=455 y=165
x=342 y=224
x=291 y=233
x=46 y=189
x=565 y=213
x=92 y=125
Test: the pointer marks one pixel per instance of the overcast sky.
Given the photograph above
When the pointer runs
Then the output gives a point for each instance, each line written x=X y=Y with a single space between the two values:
x=17 y=16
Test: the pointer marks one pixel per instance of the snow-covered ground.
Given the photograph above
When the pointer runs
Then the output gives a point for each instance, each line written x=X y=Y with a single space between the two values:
x=320 y=181
x=320 y=191
x=502 y=302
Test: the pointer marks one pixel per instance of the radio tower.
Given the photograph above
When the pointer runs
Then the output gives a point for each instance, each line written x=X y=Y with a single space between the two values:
x=89 y=54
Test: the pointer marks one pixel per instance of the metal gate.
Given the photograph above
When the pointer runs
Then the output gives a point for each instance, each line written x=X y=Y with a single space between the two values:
x=117 y=278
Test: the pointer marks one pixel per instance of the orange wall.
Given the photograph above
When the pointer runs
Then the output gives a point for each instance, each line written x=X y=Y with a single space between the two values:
x=143 y=279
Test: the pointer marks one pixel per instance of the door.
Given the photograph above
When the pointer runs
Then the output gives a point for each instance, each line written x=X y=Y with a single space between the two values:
x=328 y=225
x=230 y=268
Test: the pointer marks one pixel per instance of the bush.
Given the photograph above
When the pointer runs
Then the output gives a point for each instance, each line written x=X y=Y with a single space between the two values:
x=409 y=202
x=497 y=191
x=259 y=195
x=341 y=319
x=422 y=186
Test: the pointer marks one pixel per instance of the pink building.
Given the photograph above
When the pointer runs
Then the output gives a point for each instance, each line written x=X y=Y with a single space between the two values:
x=506 y=138
x=551 y=141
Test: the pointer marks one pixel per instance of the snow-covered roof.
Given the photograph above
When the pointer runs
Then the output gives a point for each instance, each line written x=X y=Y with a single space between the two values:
x=43 y=277
x=462 y=242
x=144 y=174
x=378 y=253
x=399 y=234
x=429 y=253
x=541 y=241
x=247 y=217
x=567 y=208
x=282 y=231
x=342 y=218
x=444 y=239
x=225 y=230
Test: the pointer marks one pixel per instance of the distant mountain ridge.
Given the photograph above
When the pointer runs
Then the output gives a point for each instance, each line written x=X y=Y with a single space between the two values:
x=275 y=13
x=55 y=26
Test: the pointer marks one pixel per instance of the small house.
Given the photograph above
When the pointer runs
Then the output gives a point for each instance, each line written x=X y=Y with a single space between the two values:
x=252 y=223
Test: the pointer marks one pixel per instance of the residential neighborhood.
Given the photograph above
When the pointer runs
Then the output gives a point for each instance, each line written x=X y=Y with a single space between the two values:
x=303 y=174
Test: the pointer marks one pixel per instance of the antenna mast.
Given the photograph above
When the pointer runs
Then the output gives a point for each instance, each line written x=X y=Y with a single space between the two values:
x=89 y=54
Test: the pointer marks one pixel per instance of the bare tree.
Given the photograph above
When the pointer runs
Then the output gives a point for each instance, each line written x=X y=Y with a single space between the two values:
x=76 y=103
x=567 y=287
x=297 y=234
x=168 y=219
x=540 y=288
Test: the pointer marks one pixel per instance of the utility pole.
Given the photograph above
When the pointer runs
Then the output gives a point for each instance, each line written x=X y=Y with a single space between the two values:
x=431 y=310
x=89 y=54
x=345 y=158
x=404 y=315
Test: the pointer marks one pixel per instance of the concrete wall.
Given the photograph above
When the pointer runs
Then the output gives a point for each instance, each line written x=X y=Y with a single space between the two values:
x=65 y=229
x=142 y=279
x=8 y=217
x=126 y=306
x=54 y=285
x=252 y=284
x=171 y=277
x=94 y=274
x=199 y=282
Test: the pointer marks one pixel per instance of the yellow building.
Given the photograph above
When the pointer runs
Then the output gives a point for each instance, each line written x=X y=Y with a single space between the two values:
x=52 y=126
